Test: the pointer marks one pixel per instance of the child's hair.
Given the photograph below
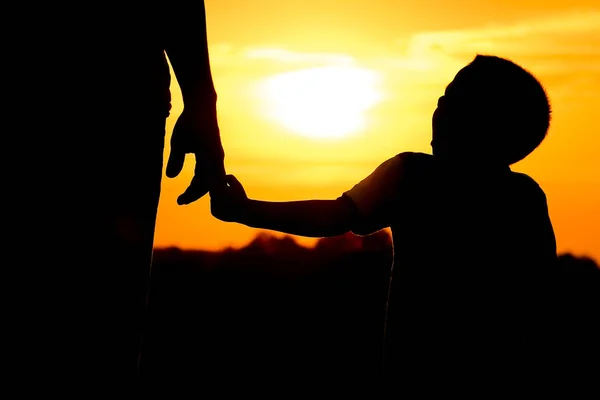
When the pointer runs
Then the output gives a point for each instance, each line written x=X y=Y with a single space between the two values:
x=510 y=104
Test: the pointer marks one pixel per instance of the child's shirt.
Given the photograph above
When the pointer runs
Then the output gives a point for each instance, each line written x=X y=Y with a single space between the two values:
x=471 y=248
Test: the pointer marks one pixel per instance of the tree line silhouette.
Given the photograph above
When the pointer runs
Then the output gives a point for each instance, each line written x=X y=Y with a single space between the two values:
x=275 y=311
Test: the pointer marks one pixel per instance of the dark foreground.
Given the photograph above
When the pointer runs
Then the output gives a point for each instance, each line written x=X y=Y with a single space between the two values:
x=276 y=312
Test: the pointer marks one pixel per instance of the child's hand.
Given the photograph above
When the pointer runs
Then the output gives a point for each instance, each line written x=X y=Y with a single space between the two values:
x=228 y=201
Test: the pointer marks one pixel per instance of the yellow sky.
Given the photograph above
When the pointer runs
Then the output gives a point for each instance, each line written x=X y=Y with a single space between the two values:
x=405 y=52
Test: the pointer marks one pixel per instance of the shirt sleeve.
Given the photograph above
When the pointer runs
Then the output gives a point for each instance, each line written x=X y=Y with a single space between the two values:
x=375 y=197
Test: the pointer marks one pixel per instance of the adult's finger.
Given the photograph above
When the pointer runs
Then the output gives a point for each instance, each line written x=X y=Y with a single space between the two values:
x=197 y=189
x=175 y=162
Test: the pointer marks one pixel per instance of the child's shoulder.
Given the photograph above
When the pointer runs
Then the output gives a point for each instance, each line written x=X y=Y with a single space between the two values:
x=412 y=156
x=404 y=165
x=410 y=159
x=414 y=162
x=526 y=183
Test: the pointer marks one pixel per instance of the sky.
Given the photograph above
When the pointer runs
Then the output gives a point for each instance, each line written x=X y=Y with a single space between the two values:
x=313 y=95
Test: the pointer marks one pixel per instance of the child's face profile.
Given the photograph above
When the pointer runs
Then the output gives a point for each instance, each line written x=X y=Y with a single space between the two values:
x=451 y=107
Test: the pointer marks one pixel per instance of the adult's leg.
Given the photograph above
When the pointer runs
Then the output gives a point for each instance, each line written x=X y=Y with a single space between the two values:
x=109 y=257
x=136 y=178
x=81 y=289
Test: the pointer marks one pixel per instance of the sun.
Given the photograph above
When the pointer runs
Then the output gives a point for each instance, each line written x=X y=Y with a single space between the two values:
x=325 y=102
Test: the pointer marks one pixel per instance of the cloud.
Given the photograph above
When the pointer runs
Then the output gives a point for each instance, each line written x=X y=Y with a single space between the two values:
x=553 y=43
x=225 y=54
x=562 y=49
x=574 y=25
x=257 y=62
x=571 y=37
x=290 y=57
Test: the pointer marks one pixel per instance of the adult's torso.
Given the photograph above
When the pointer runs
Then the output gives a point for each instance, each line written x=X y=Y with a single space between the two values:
x=135 y=74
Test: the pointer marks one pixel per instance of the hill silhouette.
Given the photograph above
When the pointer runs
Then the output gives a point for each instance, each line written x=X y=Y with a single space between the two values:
x=275 y=311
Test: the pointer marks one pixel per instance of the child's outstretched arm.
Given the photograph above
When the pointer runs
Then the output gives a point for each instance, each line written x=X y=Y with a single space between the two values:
x=312 y=218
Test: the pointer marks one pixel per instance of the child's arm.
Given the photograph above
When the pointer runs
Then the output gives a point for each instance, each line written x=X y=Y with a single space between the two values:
x=312 y=218
x=368 y=207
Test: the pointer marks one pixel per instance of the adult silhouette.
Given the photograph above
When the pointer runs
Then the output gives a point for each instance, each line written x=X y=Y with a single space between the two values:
x=176 y=30
x=98 y=165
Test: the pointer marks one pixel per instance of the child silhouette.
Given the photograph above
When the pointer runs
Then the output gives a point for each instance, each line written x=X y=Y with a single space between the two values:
x=471 y=238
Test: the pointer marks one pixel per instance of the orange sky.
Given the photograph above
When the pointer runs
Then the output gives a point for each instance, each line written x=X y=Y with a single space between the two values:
x=396 y=58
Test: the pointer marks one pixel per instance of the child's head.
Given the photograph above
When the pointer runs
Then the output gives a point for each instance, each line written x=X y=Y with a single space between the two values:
x=493 y=111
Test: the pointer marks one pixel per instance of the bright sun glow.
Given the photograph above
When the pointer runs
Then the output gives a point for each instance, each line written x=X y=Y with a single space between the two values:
x=327 y=102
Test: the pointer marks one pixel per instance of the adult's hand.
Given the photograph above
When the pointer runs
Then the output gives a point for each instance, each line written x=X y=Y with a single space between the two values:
x=197 y=132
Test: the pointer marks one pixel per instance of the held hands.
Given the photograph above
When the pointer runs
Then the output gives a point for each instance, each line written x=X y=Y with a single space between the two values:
x=197 y=132
x=228 y=201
